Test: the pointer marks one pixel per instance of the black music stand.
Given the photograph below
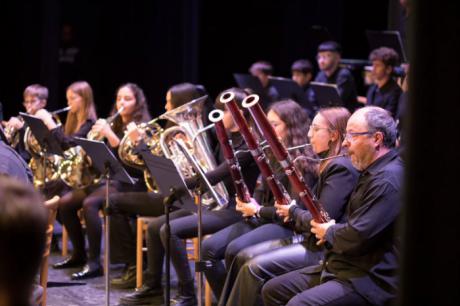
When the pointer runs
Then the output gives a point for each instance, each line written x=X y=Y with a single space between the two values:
x=174 y=190
x=288 y=89
x=105 y=162
x=249 y=81
x=327 y=95
x=48 y=142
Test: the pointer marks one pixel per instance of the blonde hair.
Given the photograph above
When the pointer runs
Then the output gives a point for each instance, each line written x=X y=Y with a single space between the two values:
x=88 y=111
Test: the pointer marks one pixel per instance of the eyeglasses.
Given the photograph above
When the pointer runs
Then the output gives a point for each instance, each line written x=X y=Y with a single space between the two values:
x=348 y=136
x=28 y=102
x=315 y=129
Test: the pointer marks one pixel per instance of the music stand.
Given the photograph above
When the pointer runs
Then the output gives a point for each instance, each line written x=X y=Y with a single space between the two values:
x=288 y=89
x=327 y=95
x=105 y=162
x=48 y=142
x=249 y=81
x=390 y=39
x=174 y=190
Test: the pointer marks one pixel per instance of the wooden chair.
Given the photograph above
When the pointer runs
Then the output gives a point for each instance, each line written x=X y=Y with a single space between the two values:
x=192 y=254
x=52 y=209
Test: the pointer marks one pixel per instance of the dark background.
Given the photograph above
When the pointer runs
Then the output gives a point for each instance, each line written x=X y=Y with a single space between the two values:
x=157 y=44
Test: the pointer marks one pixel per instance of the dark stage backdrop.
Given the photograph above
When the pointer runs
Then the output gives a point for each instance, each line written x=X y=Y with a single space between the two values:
x=160 y=43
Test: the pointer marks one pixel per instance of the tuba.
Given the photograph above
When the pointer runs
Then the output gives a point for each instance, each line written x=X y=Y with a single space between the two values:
x=151 y=132
x=76 y=170
x=188 y=133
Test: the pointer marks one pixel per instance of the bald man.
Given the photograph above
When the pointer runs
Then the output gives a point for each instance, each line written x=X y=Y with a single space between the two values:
x=360 y=266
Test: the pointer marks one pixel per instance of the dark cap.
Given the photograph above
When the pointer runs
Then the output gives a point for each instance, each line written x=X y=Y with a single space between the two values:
x=331 y=46
x=302 y=65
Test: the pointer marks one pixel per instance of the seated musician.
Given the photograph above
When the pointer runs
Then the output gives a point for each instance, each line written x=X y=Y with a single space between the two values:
x=336 y=181
x=302 y=74
x=360 y=265
x=385 y=91
x=290 y=122
x=184 y=225
x=329 y=55
x=35 y=98
x=262 y=70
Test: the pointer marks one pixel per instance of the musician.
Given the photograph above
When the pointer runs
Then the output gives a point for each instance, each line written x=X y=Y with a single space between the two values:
x=184 y=224
x=290 y=123
x=127 y=205
x=35 y=98
x=23 y=223
x=360 y=267
x=80 y=118
x=337 y=178
x=385 y=91
x=13 y=164
x=262 y=70
x=328 y=57
x=131 y=97
x=302 y=74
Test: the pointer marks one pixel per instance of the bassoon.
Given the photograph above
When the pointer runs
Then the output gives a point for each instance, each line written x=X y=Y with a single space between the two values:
x=278 y=190
x=242 y=191
x=318 y=213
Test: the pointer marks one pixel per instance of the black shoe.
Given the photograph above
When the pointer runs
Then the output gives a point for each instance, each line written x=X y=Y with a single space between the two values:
x=145 y=295
x=184 y=300
x=70 y=263
x=127 y=280
x=88 y=272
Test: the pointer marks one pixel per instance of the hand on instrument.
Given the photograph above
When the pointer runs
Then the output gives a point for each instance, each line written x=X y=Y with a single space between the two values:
x=101 y=128
x=14 y=123
x=320 y=229
x=46 y=117
x=282 y=210
x=134 y=133
x=248 y=209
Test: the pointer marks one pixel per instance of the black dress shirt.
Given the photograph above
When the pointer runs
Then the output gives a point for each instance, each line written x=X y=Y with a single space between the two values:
x=345 y=82
x=386 y=97
x=364 y=248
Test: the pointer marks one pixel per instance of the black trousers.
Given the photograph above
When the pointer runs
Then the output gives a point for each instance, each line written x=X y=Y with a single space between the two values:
x=303 y=287
x=268 y=260
x=124 y=206
x=228 y=244
x=184 y=224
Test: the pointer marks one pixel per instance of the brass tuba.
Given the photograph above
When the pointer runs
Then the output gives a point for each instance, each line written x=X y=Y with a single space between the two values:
x=150 y=132
x=189 y=131
x=76 y=170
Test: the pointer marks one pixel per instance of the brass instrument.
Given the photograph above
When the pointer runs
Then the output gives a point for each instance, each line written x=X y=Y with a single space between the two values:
x=76 y=170
x=188 y=133
x=12 y=134
x=39 y=160
x=150 y=132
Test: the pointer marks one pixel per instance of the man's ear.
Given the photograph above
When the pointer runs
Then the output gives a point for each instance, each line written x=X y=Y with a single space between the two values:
x=378 y=138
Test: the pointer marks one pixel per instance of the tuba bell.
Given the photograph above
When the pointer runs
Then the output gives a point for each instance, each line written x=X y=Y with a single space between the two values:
x=189 y=131
x=150 y=132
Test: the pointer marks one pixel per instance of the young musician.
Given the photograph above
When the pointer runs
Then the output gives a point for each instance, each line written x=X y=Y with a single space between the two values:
x=184 y=224
x=360 y=266
x=80 y=118
x=385 y=91
x=336 y=181
x=262 y=70
x=127 y=205
x=131 y=98
x=290 y=123
x=329 y=55
x=35 y=98
x=302 y=74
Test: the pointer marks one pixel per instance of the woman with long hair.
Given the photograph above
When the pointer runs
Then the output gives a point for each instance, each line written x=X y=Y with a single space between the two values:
x=290 y=122
x=337 y=178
